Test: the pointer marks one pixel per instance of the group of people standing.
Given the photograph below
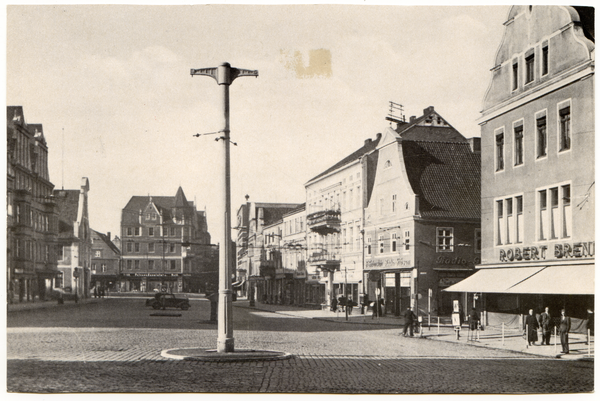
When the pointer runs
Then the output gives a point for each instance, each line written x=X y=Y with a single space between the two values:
x=342 y=303
x=544 y=321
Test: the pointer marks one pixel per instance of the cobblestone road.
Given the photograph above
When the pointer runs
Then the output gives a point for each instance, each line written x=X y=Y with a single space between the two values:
x=115 y=346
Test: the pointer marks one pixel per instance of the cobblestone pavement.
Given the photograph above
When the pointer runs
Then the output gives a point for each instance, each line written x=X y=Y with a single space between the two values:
x=115 y=345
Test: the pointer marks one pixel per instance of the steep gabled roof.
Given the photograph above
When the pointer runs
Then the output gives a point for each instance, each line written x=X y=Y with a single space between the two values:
x=67 y=201
x=108 y=242
x=446 y=177
x=180 y=200
x=369 y=146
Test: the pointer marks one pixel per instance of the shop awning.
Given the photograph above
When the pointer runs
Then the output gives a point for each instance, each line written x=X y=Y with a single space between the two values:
x=494 y=280
x=570 y=279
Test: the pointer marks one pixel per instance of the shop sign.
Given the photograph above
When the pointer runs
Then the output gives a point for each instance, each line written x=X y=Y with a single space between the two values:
x=448 y=281
x=148 y=274
x=445 y=260
x=387 y=263
x=561 y=251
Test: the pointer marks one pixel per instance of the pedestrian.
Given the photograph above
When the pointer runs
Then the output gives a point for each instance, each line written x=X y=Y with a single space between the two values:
x=473 y=321
x=95 y=292
x=409 y=319
x=563 y=329
x=349 y=304
x=531 y=328
x=546 y=326
x=334 y=304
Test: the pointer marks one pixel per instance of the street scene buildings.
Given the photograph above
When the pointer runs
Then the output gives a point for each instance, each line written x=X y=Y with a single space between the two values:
x=418 y=218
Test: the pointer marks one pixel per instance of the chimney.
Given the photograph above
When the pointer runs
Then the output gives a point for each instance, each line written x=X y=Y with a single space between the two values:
x=378 y=137
x=412 y=119
x=475 y=144
x=368 y=141
x=108 y=235
x=427 y=110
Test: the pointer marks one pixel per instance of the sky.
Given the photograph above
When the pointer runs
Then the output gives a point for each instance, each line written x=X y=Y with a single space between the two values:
x=111 y=86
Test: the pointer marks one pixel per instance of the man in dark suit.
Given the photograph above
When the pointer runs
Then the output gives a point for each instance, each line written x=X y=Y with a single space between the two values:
x=563 y=329
x=409 y=318
x=546 y=327
x=531 y=326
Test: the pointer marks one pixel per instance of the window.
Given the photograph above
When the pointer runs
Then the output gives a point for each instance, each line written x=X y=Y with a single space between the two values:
x=137 y=247
x=151 y=231
x=545 y=60
x=148 y=216
x=394 y=241
x=129 y=247
x=520 y=229
x=137 y=231
x=519 y=144
x=566 y=212
x=103 y=267
x=509 y=220
x=129 y=231
x=500 y=151
x=564 y=128
x=137 y=264
x=543 y=215
x=173 y=231
x=150 y=265
x=173 y=264
x=515 y=76
x=445 y=239
x=98 y=254
x=406 y=240
x=351 y=239
x=129 y=264
x=500 y=234
x=394 y=203
x=554 y=221
x=477 y=240
x=153 y=216
x=151 y=247
x=387 y=164
x=529 y=68
x=369 y=246
x=542 y=139
x=172 y=248
x=381 y=244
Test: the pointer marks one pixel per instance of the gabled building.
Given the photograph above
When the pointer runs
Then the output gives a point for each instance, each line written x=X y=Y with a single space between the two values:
x=32 y=216
x=165 y=244
x=538 y=185
x=335 y=201
x=106 y=260
x=422 y=222
x=74 y=240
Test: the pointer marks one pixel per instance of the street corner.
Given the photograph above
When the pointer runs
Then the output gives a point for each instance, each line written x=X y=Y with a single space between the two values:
x=212 y=355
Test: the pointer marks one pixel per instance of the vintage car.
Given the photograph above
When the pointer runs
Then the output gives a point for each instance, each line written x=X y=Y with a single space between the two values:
x=166 y=300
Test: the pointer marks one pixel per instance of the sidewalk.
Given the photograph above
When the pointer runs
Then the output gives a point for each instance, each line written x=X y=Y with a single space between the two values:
x=490 y=337
x=26 y=306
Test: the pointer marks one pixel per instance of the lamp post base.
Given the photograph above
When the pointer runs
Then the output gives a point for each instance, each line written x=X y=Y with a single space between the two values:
x=225 y=345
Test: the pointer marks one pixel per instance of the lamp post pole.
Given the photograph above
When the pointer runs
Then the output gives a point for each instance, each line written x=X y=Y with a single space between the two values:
x=224 y=75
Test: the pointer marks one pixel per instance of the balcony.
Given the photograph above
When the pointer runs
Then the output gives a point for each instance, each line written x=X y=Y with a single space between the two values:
x=324 y=222
x=325 y=259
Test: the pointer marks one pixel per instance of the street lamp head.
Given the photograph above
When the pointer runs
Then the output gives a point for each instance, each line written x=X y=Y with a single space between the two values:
x=225 y=64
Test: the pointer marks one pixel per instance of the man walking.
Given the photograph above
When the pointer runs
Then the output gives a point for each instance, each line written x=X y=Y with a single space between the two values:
x=563 y=329
x=531 y=327
x=546 y=326
x=409 y=318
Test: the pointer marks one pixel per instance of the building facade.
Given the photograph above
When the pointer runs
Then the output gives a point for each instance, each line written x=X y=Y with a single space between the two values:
x=32 y=214
x=335 y=201
x=255 y=262
x=106 y=262
x=538 y=204
x=74 y=240
x=298 y=289
x=165 y=245
x=422 y=222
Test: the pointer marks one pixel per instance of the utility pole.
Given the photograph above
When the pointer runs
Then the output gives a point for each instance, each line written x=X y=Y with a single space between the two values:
x=225 y=75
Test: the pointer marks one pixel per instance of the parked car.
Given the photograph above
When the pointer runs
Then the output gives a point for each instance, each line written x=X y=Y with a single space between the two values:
x=169 y=301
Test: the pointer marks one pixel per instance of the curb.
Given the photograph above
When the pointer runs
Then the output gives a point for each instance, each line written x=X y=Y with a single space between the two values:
x=211 y=355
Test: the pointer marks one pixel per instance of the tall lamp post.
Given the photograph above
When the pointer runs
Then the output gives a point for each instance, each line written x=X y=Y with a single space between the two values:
x=225 y=75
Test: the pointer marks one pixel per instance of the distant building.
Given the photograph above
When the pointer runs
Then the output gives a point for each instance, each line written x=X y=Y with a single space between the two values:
x=258 y=260
x=335 y=201
x=74 y=240
x=293 y=271
x=538 y=185
x=32 y=216
x=106 y=260
x=165 y=244
x=422 y=227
